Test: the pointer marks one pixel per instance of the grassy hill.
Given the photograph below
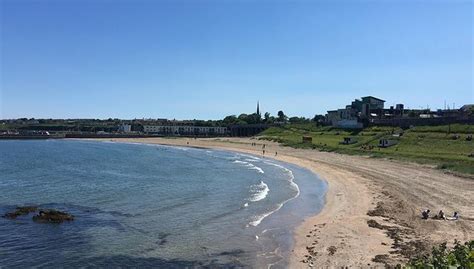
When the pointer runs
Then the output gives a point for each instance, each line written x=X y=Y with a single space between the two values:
x=443 y=146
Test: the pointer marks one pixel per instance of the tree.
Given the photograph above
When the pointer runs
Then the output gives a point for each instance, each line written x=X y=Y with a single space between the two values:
x=281 y=116
x=243 y=117
x=319 y=119
x=232 y=119
x=298 y=120
x=266 y=117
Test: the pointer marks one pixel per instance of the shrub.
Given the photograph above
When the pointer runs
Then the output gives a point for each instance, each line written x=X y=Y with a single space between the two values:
x=460 y=256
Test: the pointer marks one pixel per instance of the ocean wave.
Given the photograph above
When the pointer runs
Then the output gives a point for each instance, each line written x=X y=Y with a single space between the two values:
x=251 y=160
x=260 y=170
x=291 y=178
x=260 y=191
x=258 y=219
x=242 y=162
x=249 y=156
x=250 y=166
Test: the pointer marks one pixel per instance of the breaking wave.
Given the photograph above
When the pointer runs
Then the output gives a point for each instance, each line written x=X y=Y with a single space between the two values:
x=250 y=166
x=290 y=179
x=259 y=192
x=256 y=220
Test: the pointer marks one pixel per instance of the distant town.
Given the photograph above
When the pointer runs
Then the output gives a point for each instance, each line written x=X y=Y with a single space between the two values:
x=360 y=113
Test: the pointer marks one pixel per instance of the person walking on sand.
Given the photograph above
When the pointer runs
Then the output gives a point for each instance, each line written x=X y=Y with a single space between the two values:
x=263 y=151
x=276 y=153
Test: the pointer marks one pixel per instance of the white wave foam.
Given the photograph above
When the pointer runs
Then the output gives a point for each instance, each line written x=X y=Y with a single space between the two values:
x=291 y=178
x=249 y=156
x=251 y=160
x=242 y=162
x=260 y=191
x=246 y=204
x=250 y=166
x=260 y=170
x=258 y=219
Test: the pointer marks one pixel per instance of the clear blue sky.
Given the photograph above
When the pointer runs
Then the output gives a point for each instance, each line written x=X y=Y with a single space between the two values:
x=208 y=59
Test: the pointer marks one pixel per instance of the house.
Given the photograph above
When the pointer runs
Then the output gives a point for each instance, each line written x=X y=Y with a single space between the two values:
x=125 y=128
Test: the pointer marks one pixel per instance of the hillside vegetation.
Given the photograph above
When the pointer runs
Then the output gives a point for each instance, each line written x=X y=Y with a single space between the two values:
x=460 y=256
x=447 y=147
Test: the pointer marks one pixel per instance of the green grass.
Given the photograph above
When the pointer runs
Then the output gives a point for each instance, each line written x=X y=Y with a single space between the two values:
x=422 y=144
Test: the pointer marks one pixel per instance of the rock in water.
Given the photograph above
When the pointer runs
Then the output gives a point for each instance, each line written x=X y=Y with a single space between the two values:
x=19 y=211
x=52 y=216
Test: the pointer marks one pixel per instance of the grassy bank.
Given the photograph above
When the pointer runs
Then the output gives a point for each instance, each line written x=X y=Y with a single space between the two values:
x=443 y=146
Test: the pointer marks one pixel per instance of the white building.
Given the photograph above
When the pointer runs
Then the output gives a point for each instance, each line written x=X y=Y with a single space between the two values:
x=125 y=128
x=184 y=130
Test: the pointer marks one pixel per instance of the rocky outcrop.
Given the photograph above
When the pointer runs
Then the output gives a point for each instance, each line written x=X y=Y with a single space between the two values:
x=43 y=216
x=52 y=216
x=19 y=211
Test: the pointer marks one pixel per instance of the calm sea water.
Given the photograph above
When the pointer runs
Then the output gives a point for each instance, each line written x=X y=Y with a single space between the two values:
x=150 y=206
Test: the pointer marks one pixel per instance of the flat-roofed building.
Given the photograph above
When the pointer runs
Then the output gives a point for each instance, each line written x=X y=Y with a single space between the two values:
x=373 y=102
x=352 y=115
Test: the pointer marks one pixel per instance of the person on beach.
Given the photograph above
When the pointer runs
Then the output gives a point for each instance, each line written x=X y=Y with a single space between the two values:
x=441 y=215
x=425 y=214
x=263 y=151
x=276 y=153
x=454 y=217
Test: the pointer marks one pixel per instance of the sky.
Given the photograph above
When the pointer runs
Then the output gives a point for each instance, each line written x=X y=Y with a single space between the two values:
x=207 y=59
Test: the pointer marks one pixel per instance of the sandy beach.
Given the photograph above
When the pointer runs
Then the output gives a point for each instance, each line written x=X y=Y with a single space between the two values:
x=372 y=213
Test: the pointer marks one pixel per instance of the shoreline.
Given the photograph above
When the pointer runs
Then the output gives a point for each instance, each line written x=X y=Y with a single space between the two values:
x=361 y=205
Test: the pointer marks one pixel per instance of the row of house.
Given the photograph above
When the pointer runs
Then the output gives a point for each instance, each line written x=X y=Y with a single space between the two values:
x=185 y=130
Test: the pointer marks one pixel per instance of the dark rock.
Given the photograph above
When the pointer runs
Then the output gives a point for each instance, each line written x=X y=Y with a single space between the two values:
x=19 y=211
x=52 y=216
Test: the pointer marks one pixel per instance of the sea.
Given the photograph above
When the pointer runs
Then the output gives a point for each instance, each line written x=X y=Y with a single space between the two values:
x=146 y=205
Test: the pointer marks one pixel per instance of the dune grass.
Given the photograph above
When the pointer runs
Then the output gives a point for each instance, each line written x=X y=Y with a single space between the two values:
x=423 y=144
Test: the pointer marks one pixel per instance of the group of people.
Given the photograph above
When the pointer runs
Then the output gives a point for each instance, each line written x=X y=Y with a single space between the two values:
x=426 y=215
x=263 y=148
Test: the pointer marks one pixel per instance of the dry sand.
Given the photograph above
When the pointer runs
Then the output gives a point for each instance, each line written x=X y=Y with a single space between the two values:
x=372 y=211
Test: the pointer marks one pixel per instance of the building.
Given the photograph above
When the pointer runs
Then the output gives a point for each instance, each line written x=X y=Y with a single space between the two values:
x=125 y=128
x=353 y=115
x=373 y=102
x=184 y=130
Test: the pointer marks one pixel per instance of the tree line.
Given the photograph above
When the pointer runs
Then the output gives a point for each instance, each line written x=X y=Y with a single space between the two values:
x=280 y=118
